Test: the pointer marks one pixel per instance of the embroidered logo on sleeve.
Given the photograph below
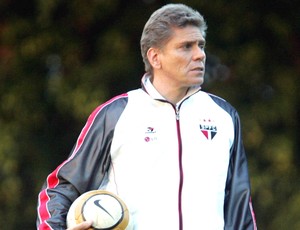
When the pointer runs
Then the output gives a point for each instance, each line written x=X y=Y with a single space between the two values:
x=208 y=128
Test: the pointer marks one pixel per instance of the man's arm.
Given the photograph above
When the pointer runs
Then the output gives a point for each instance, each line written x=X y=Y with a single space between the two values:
x=238 y=211
x=85 y=168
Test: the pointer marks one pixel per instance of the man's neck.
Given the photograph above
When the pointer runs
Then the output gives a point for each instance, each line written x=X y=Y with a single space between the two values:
x=170 y=92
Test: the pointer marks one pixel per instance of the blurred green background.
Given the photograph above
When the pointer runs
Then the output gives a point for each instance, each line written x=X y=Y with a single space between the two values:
x=59 y=59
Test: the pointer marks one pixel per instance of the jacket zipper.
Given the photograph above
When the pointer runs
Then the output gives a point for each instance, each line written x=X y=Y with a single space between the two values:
x=180 y=168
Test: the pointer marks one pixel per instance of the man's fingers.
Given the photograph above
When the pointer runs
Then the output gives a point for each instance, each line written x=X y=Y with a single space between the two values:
x=83 y=226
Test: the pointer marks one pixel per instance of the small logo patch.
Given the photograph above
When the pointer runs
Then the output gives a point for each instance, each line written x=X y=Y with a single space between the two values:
x=150 y=130
x=208 y=128
x=150 y=134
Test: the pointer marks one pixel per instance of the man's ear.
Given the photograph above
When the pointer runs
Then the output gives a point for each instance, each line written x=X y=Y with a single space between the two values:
x=153 y=58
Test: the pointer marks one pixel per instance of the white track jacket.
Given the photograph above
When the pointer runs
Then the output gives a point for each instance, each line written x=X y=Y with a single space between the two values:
x=176 y=167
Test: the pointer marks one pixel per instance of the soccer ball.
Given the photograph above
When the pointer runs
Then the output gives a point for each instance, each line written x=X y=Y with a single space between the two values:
x=105 y=209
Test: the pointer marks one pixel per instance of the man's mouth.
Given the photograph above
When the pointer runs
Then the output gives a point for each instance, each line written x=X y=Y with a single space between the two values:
x=198 y=69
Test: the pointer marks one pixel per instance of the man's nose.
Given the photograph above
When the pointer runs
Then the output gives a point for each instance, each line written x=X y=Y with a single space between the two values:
x=199 y=53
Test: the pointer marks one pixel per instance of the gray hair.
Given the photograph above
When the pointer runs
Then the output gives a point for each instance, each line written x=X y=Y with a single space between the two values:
x=158 y=28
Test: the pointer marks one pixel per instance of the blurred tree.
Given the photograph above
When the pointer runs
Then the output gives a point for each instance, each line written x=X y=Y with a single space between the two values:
x=60 y=59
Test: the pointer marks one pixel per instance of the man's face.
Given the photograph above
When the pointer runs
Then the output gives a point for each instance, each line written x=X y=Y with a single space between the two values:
x=183 y=58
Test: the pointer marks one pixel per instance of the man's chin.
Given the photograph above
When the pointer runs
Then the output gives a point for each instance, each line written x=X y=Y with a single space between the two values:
x=198 y=80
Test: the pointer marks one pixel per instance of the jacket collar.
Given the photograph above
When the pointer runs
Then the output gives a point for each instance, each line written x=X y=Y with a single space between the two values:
x=149 y=88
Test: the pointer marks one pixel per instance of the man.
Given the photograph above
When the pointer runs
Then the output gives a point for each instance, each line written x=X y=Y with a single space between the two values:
x=172 y=152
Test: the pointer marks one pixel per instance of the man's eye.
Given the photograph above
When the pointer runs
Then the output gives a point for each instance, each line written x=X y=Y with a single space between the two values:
x=201 y=46
x=187 y=46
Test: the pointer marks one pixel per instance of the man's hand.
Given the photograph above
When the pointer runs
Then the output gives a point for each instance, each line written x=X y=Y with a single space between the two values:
x=83 y=226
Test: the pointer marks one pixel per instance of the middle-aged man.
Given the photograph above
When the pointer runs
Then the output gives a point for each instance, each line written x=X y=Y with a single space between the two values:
x=171 y=151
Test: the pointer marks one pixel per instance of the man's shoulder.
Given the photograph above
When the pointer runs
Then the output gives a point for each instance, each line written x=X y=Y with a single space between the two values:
x=219 y=101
